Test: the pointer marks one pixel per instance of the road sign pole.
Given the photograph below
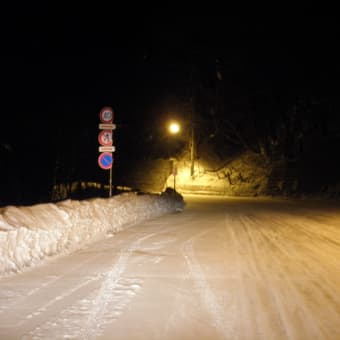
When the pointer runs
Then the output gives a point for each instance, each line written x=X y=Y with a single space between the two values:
x=110 y=191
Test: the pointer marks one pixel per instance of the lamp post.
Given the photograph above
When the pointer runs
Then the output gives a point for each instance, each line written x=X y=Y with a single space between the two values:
x=174 y=128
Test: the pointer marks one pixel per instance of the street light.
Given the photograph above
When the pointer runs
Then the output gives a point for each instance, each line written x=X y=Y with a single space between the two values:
x=174 y=128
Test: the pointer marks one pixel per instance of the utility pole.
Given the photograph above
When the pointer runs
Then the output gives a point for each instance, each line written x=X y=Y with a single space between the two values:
x=192 y=138
x=192 y=149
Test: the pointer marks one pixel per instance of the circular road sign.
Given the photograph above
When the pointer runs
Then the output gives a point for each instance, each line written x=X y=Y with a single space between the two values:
x=105 y=160
x=106 y=114
x=105 y=137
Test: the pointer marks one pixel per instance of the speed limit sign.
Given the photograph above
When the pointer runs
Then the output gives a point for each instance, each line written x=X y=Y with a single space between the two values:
x=106 y=114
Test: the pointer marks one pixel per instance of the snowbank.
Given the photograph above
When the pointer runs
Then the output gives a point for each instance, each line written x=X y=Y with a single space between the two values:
x=29 y=235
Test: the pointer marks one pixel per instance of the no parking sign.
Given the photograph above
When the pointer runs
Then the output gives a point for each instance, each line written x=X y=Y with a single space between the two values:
x=105 y=160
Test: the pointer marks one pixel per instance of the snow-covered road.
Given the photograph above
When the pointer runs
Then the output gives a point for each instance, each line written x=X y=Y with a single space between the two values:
x=221 y=269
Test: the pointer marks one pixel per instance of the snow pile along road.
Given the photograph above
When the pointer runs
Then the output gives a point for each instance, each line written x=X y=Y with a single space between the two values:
x=29 y=235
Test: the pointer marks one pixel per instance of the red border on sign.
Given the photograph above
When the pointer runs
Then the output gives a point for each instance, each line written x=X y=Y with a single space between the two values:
x=106 y=108
x=101 y=138
x=100 y=159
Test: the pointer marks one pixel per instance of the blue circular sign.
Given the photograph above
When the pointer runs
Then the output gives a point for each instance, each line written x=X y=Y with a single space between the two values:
x=105 y=160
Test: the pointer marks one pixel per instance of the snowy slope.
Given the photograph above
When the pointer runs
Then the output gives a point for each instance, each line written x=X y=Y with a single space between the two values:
x=29 y=235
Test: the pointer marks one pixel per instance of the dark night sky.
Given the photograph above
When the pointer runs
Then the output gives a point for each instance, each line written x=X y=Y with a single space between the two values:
x=79 y=63
x=57 y=71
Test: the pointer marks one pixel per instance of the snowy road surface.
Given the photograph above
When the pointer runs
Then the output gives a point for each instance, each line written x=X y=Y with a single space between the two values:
x=221 y=269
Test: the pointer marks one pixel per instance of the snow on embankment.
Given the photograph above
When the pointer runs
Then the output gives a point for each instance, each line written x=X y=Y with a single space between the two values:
x=28 y=235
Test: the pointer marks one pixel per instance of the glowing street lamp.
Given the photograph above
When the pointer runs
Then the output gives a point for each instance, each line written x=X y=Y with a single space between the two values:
x=174 y=128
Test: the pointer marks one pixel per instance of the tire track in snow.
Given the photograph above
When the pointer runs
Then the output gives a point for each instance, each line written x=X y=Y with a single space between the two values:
x=302 y=316
x=19 y=299
x=102 y=307
x=316 y=266
x=96 y=320
x=91 y=310
x=219 y=321
x=309 y=241
x=254 y=259
x=245 y=312
x=105 y=296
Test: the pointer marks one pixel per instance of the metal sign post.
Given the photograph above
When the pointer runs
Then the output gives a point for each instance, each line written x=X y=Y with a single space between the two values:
x=105 y=159
x=110 y=183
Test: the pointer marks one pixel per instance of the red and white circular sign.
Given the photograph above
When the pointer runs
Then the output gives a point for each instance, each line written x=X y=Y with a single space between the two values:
x=106 y=114
x=105 y=137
